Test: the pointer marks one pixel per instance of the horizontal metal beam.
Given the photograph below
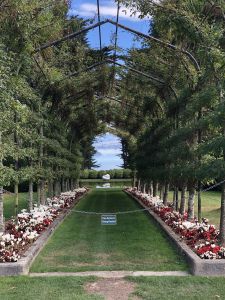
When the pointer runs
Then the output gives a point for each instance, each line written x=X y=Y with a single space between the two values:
x=82 y=71
x=109 y=61
x=136 y=71
x=159 y=41
x=69 y=36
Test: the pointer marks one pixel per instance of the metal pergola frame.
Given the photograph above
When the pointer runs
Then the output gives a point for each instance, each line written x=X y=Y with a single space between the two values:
x=117 y=24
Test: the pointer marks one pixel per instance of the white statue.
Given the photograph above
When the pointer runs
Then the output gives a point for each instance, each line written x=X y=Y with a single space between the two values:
x=106 y=177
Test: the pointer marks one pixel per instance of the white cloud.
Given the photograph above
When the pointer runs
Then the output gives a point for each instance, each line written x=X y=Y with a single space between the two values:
x=109 y=151
x=90 y=10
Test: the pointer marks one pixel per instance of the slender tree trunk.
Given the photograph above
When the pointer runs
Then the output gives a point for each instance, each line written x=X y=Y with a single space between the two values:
x=165 y=194
x=76 y=183
x=50 y=189
x=199 y=160
x=43 y=193
x=30 y=201
x=144 y=188
x=174 y=198
x=177 y=198
x=222 y=209
x=72 y=184
x=63 y=185
x=183 y=199
x=191 y=197
x=38 y=193
x=42 y=182
x=222 y=217
x=134 y=179
x=150 y=188
x=2 y=223
x=155 y=188
x=59 y=187
x=16 y=192
x=161 y=191
x=139 y=185
x=16 y=183
x=199 y=202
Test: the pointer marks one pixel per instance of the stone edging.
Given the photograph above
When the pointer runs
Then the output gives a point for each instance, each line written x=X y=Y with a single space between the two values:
x=197 y=265
x=111 y=274
x=22 y=266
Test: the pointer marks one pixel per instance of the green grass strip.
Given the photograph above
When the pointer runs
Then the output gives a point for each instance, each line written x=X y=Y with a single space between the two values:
x=81 y=243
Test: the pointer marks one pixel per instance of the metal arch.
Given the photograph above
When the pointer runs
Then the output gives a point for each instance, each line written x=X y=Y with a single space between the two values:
x=69 y=36
x=136 y=71
x=149 y=37
x=109 y=61
x=152 y=78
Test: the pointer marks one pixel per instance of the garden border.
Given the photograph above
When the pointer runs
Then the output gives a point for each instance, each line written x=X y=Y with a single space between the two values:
x=22 y=266
x=197 y=265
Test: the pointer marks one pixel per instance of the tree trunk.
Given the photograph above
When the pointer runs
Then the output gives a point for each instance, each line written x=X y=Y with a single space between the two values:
x=63 y=185
x=38 y=193
x=165 y=194
x=150 y=189
x=30 y=201
x=177 y=198
x=199 y=202
x=76 y=183
x=144 y=188
x=43 y=193
x=59 y=188
x=191 y=197
x=183 y=199
x=50 y=189
x=222 y=217
x=161 y=191
x=139 y=185
x=42 y=182
x=72 y=184
x=16 y=184
x=155 y=188
x=2 y=223
x=174 y=198
x=16 y=192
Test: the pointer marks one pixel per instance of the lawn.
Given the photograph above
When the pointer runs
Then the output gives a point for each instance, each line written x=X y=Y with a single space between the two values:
x=210 y=206
x=9 y=200
x=66 y=288
x=185 y=288
x=81 y=243
x=40 y=288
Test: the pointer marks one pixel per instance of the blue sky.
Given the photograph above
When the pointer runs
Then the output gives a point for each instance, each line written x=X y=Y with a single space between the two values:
x=108 y=9
x=108 y=146
x=108 y=150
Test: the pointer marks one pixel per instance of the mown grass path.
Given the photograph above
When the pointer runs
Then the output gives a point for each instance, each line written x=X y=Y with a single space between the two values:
x=81 y=243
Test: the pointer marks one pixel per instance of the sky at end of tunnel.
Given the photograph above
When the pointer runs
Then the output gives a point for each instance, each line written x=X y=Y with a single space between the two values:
x=108 y=146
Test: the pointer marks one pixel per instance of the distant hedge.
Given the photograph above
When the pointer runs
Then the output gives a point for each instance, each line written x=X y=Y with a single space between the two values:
x=114 y=174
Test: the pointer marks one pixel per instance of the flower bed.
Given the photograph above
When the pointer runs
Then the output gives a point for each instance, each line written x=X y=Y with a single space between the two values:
x=18 y=236
x=202 y=237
